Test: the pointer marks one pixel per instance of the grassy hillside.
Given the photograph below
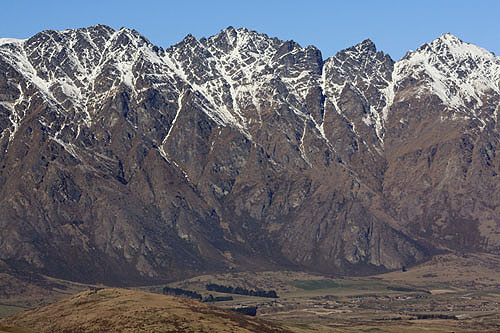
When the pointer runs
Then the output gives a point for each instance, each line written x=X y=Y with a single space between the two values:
x=119 y=310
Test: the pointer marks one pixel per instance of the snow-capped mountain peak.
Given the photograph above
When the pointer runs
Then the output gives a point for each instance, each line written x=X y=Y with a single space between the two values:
x=452 y=46
x=459 y=73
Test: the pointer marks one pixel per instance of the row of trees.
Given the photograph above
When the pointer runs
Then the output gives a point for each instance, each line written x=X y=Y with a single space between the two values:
x=240 y=291
x=181 y=292
x=195 y=295
x=406 y=289
x=435 y=316
x=211 y=298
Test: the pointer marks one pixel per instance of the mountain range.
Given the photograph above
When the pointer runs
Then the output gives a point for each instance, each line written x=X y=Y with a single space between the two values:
x=123 y=162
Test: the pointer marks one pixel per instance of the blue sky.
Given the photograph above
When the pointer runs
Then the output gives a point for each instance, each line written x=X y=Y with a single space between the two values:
x=394 y=26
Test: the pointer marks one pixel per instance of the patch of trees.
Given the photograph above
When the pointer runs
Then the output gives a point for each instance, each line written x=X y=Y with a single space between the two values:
x=407 y=290
x=240 y=291
x=247 y=310
x=211 y=298
x=435 y=316
x=181 y=292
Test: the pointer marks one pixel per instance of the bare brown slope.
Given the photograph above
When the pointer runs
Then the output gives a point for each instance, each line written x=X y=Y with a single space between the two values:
x=119 y=310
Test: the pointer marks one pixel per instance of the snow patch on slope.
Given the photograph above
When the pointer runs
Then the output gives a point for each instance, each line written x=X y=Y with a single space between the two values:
x=11 y=41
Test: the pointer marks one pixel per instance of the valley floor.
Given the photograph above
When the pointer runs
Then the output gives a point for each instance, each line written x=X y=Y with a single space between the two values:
x=450 y=293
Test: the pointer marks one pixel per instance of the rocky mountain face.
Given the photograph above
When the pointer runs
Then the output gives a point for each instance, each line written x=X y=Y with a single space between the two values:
x=122 y=162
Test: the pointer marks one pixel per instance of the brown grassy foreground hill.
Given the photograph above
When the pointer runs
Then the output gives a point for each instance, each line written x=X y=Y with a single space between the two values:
x=119 y=310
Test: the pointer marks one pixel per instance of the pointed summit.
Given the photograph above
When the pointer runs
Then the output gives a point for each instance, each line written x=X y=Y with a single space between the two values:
x=188 y=40
x=231 y=35
x=453 y=47
x=449 y=38
x=100 y=26
x=445 y=42
x=368 y=45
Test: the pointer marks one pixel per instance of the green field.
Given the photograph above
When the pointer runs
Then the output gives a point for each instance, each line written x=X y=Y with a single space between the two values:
x=314 y=284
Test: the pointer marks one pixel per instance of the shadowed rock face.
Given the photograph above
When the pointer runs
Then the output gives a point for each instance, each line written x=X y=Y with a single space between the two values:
x=122 y=162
